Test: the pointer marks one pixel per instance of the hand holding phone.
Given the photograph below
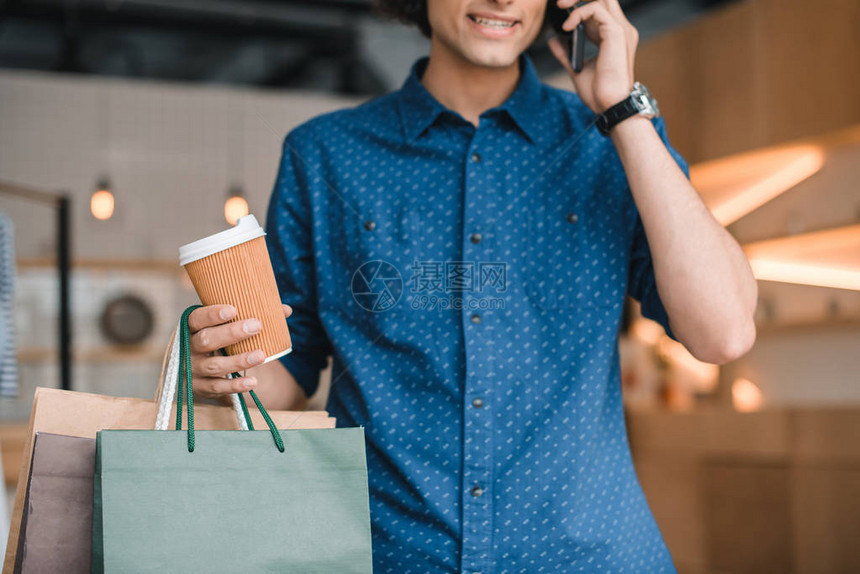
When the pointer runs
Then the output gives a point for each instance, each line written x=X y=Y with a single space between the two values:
x=574 y=40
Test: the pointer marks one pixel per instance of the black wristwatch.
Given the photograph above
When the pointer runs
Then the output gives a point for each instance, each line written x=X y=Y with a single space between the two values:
x=639 y=102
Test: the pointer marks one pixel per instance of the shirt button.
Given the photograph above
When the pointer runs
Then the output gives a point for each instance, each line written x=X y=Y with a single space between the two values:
x=475 y=238
x=477 y=402
x=369 y=225
x=476 y=157
x=476 y=318
x=572 y=218
x=477 y=491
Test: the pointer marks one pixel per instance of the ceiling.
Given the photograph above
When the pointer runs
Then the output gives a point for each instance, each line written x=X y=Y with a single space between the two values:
x=329 y=45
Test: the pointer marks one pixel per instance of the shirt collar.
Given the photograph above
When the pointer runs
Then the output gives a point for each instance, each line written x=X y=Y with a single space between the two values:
x=419 y=109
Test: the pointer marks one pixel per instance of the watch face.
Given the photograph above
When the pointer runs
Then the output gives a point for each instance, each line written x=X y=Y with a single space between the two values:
x=644 y=101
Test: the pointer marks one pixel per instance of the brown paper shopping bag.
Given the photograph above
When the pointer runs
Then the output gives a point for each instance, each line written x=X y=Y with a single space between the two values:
x=56 y=526
x=78 y=414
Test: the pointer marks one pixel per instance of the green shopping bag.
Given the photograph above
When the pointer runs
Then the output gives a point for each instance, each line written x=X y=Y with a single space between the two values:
x=230 y=501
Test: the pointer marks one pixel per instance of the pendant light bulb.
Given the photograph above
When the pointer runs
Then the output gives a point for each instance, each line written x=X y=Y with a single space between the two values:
x=102 y=201
x=236 y=206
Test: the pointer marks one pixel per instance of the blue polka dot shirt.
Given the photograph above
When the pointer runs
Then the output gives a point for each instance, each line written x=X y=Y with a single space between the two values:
x=468 y=283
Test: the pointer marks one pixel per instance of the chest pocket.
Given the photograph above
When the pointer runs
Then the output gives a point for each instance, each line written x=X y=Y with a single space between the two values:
x=571 y=261
x=390 y=233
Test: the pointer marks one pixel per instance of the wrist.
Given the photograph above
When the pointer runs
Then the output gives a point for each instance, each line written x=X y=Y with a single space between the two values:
x=638 y=103
x=612 y=97
x=607 y=103
x=630 y=128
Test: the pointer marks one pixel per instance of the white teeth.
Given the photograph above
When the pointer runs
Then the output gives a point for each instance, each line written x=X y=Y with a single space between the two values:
x=492 y=23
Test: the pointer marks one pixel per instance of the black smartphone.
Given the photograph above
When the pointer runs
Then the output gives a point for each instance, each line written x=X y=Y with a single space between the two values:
x=573 y=41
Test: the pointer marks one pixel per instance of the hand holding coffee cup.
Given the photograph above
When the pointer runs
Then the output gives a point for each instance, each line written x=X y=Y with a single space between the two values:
x=242 y=312
x=213 y=328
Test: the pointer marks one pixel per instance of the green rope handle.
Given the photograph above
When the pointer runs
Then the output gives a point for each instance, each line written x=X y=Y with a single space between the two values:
x=183 y=339
x=242 y=403
x=279 y=442
x=185 y=371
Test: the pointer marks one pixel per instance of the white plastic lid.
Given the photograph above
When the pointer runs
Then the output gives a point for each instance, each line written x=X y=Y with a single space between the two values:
x=246 y=229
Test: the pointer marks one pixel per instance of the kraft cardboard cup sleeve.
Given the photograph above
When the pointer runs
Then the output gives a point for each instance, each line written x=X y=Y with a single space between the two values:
x=233 y=267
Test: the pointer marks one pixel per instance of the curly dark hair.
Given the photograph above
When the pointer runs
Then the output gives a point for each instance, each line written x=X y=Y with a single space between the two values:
x=411 y=12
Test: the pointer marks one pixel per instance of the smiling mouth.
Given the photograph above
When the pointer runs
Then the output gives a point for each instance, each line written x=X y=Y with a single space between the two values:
x=495 y=24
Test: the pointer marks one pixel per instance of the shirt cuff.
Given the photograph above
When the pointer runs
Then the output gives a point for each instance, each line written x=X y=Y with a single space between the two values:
x=652 y=308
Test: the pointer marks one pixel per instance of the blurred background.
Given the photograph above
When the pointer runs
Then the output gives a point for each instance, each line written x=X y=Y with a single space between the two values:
x=131 y=127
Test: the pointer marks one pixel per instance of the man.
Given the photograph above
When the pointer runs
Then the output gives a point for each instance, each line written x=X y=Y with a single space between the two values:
x=491 y=403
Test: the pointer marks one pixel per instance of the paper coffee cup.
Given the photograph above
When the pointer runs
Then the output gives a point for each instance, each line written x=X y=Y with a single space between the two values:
x=233 y=268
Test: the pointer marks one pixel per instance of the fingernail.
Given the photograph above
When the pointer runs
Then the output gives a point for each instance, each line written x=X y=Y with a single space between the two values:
x=250 y=383
x=256 y=357
x=227 y=313
x=251 y=326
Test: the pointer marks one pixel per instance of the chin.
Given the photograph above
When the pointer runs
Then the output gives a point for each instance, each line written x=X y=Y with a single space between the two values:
x=492 y=56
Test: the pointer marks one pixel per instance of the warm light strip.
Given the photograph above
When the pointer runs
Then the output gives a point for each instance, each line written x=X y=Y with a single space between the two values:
x=769 y=270
x=735 y=186
x=835 y=247
x=804 y=165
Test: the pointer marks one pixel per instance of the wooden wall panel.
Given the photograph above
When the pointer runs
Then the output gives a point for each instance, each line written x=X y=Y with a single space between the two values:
x=826 y=510
x=810 y=66
x=729 y=86
x=672 y=485
x=666 y=66
x=785 y=499
x=756 y=73
x=748 y=521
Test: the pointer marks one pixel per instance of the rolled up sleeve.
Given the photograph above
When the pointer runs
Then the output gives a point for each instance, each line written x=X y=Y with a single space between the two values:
x=289 y=237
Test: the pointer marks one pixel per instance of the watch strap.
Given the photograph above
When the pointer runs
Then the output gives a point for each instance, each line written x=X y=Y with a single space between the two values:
x=615 y=114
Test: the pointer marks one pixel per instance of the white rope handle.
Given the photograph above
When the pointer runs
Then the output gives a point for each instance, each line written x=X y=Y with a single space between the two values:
x=237 y=408
x=168 y=393
x=168 y=389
